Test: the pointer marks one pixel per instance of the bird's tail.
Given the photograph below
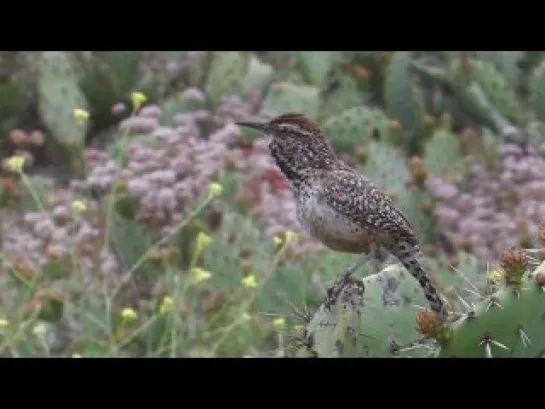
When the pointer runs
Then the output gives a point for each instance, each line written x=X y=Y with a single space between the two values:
x=409 y=257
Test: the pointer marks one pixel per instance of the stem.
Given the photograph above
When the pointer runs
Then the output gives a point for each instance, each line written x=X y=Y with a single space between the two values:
x=250 y=301
x=128 y=275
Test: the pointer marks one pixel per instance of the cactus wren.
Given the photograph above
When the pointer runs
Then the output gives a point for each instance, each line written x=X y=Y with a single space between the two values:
x=338 y=206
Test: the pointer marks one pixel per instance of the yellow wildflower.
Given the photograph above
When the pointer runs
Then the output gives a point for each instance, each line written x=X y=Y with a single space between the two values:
x=215 y=190
x=279 y=323
x=78 y=206
x=495 y=276
x=249 y=281
x=16 y=163
x=39 y=330
x=291 y=236
x=200 y=275
x=4 y=323
x=76 y=355
x=81 y=116
x=129 y=314
x=166 y=305
x=203 y=240
x=277 y=241
x=298 y=328
x=138 y=99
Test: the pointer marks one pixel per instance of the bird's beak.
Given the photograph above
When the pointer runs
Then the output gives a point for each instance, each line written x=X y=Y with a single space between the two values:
x=254 y=125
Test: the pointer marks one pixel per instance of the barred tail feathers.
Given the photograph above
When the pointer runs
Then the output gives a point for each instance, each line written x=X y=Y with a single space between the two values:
x=409 y=256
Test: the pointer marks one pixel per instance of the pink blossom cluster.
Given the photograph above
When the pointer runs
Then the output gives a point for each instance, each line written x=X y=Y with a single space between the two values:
x=497 y=209
x=167 y=173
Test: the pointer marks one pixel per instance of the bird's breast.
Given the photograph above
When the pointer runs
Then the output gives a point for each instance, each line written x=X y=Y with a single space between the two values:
x=330 y=227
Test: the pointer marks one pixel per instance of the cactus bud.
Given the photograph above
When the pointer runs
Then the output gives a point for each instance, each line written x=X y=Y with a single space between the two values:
x=514 y=262
x=362 y=155
x=427 y=323
x=429 y=122
x=394 y=125
x=540 y=279
x=418 y=170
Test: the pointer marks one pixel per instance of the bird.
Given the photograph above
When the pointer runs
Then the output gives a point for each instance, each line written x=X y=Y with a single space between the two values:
x=338 y=206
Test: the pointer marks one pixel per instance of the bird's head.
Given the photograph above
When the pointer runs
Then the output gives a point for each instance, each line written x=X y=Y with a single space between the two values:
x=296 y=142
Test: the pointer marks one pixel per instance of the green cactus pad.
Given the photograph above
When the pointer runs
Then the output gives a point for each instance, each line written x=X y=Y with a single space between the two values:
x=387 y=168
x=109 y=77
x=13 y=100
x=370 y=325
x=226 y=73
x=535 y=132
x=315 y=65
x=178 y=104
x=442 y=152
x=286 y=97
x=537 y=90
x=129 y=238
x=498 y=92
x=352 y=127
x=502 y=94
x=506 y=62
x=462 y=284
x=404 y=100
x=58 y=95
x=510 y=322
x=287 y=285
x=257 y=77
x=469 y=92
x=345 y=96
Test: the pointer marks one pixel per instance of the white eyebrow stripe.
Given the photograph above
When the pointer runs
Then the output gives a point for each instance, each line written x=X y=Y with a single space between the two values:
x=294 y=128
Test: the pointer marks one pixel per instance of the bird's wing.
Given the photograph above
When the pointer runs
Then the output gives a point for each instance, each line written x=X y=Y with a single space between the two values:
x=355 y=196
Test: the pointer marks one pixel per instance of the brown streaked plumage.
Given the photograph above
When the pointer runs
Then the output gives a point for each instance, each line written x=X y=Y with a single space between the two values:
x=338 y=206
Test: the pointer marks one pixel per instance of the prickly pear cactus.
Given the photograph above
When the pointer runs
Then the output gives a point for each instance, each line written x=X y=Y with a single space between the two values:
x=13 y=100
x=58 y=95
x=344 y=96
x=352 y=127
x=501 y=93
x=472 y=96
x=508 y=323
x=223 y=258
x=442 y=152
x=41 y=186
x=404 y=101
x=372 y=317
x=226 y=73
x=387 y=168
x=315 y=65
x=285 y=97
x=257 y=77
x=130 y=240
x=460 y=284
x=537 y=90
x=506 y=62
x=463 y=70
x=180 y=104
x=535 y=132
x=109 y=77
x=503 y=317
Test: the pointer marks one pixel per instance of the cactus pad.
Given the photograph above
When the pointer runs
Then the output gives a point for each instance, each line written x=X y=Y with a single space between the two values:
x=352 y=127
x=58 y=95
x=287 y=97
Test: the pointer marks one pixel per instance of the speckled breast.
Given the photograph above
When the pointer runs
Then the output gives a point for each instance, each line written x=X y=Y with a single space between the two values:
x=330 y=227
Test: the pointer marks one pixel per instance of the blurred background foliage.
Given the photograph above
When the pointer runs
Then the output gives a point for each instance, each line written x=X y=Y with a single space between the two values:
x=456 y=138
